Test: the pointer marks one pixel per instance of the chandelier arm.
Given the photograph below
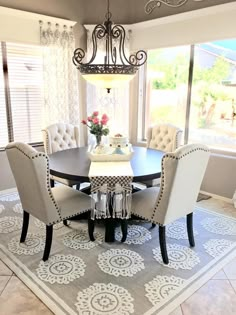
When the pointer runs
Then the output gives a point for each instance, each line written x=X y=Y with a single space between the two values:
x=79 y=54
x=107 y=56
x=118 y=32
x=137 y=59
x=113 y=51
x=122 y=48
x=98 y=32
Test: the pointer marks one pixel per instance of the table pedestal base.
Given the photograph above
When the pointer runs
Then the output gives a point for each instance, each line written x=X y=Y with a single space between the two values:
x=110 y=225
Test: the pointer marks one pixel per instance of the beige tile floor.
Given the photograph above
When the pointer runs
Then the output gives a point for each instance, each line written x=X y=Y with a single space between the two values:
x=216 y=297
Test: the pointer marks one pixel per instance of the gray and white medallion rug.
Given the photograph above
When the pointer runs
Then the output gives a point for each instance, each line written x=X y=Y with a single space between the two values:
x=96 y=278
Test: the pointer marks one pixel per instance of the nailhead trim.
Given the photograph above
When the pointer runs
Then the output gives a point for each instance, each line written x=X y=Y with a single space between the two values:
x=48 y=175
x=142 y=217
x=68 y=217
x=177 y=138
x=46 y=143
x=171 y=156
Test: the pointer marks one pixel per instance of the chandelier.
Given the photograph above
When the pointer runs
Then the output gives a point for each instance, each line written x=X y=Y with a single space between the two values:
x=116 y=67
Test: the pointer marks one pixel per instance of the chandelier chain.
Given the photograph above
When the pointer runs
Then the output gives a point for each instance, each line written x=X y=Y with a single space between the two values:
x=108 y=15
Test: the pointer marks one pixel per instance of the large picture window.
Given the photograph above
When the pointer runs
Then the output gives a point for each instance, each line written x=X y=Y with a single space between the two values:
x=166 y=86
x=213 y=101
x=20 y=93
x=210 y=115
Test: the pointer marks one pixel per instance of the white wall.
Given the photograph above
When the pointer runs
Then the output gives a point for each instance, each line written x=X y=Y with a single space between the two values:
x=220 y=176
x=199 y=26
x=23 y=27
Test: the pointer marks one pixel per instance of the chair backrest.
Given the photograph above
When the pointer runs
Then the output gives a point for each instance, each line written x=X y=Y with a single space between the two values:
x=182 y=174
x=58 y=137
x=164 y=137
x=30 y=169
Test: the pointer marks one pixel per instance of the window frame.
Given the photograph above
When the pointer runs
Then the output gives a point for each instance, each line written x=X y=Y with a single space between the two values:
x=7 y=95
x=142 y=91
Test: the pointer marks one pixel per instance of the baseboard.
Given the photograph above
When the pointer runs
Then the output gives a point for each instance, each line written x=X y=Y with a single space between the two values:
x=8 y=191
x=217 y=197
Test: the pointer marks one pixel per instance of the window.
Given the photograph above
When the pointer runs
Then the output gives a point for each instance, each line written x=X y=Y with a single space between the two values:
x=210 y=115
x=213 y=101
x=166 y=86
x=20 y=93
x=3 y=115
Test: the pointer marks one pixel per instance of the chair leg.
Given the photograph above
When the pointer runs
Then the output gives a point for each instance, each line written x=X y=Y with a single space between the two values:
x=52 y=183
x=162 y=240
x=91 y=224
x=124 y=229
x=86 y=190
x=24 y=226
x=65 y=222
x=190 y=229
x=49 y=233
x=77 y=186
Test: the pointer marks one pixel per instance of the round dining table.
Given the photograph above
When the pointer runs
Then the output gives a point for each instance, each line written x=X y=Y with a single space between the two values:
x=74 y=164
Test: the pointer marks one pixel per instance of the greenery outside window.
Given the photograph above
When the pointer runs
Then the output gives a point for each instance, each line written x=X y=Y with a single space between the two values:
x=213 y=100
x=195 y=89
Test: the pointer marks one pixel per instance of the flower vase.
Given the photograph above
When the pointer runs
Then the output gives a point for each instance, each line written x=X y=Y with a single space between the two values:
x=98 y=140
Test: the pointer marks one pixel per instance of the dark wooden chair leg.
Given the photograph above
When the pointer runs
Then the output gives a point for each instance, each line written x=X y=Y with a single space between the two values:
x=77 y=186
x=162 y=239
x=65 y=222
x=153 y=225
x=190 y=229
x=49 y=233
x=124 y=229
x=52 y=183
x=135 y=189
x=86 y=190
x=24 y=226
x=91 y=224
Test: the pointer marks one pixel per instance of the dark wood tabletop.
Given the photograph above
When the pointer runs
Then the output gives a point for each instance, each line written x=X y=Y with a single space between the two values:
x=74 y=164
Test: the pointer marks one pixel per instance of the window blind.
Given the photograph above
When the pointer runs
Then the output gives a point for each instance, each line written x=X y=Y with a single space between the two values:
x=23 y=73
x=3 y=116
x=25 y=81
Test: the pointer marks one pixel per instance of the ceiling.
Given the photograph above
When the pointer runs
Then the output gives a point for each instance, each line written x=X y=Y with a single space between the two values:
x=93 y=11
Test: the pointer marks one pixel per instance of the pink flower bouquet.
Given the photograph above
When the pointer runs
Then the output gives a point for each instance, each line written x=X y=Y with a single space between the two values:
x=97 y=126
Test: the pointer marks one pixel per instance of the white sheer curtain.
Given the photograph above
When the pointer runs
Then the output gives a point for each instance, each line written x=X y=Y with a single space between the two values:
x=115 y=104
x=61 y=101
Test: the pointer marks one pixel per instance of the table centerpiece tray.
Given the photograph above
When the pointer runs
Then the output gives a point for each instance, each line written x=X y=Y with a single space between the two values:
x=104 y=153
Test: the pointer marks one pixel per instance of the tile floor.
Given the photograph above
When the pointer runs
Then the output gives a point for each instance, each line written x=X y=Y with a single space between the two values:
x=216 y=297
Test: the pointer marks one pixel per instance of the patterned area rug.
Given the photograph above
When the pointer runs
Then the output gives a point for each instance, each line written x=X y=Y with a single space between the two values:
x=97 y=278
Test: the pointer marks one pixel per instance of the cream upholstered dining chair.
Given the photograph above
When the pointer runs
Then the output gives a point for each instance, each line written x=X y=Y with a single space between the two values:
x=50 y=205
x=58 y=137
x=164 y=137
x=181 y=176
